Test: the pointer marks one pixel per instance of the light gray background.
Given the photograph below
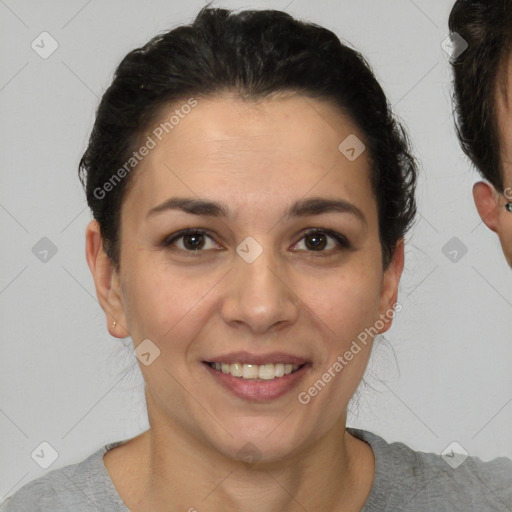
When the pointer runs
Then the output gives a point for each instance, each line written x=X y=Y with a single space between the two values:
x=64 y=380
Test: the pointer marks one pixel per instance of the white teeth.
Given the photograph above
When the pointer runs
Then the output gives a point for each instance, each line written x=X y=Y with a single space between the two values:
x=266 y=372
x=279 y=370
x=250 y=371
x=236 y=369
x=254 y=371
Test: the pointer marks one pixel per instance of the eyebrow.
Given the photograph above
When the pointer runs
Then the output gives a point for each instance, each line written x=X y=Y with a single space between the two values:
x=301 y=208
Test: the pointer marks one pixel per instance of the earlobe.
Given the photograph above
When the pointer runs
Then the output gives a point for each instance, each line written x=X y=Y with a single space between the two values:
x=486 y=201
x=106 y=281
x=391 y=280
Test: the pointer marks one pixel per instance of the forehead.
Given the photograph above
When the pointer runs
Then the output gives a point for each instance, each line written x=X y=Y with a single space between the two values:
x=272 y=148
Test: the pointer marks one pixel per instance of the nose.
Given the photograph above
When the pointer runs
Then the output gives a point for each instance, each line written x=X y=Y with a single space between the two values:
x=259 y=296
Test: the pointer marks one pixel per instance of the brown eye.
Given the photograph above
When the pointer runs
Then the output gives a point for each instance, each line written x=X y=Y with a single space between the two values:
x=317 y=240
x=193 y=240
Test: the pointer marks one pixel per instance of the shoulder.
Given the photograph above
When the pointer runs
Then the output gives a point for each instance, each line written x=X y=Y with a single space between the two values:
x=36 y=495
x=471 y=481
x=431 y=481
x=80 y=487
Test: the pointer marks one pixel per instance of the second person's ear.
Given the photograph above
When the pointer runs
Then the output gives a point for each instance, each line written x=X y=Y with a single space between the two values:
x=487 y=203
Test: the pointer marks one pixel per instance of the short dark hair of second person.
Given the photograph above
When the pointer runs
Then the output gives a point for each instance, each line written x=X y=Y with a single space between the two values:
x=479 y=74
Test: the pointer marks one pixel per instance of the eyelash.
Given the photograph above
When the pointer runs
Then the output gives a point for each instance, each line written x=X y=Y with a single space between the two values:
x=341 y=240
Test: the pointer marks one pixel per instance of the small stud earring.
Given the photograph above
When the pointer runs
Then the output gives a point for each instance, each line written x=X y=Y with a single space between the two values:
x=114 y=323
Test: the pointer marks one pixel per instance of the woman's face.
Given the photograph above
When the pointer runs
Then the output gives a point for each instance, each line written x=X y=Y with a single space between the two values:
x=257 y=282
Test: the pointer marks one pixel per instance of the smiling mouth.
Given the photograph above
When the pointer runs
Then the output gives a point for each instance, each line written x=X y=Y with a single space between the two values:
x=254 y=371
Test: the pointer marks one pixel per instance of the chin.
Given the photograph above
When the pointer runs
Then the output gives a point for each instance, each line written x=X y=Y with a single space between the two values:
x=259 y=448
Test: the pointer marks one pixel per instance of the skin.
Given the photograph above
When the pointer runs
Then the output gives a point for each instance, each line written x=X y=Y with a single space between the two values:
x=489 y=202
x=257 y=158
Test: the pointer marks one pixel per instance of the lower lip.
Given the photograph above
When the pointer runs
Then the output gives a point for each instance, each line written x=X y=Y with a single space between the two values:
x=258 y=390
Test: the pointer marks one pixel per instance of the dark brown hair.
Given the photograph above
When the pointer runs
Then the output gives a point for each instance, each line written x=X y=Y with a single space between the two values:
x=255 y=54
x=486 y=26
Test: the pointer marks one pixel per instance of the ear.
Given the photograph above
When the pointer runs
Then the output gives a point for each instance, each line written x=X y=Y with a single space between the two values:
x=106 y=281
x=487 y=204
x=389 y=290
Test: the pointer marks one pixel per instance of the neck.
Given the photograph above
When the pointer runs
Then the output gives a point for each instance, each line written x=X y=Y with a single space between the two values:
x=174 y=470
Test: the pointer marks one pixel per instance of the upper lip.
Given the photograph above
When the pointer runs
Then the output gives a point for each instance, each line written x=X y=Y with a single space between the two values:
x=259 y=359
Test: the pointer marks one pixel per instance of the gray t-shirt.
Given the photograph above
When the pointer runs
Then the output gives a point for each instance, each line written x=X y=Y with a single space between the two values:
x=405 y=481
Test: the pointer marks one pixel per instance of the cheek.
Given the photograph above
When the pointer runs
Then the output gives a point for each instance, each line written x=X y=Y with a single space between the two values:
x=348 y=305
x=506 y=242
x=160 y=297
x=171 y=304
x=505 y=230
x=349 y=309
x=346 y=301
x=508 y=232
